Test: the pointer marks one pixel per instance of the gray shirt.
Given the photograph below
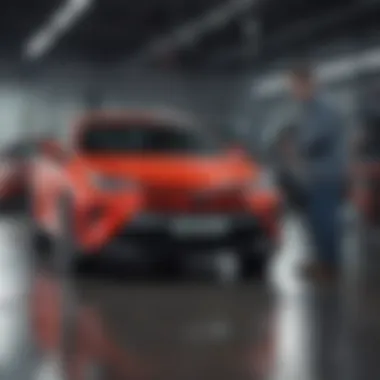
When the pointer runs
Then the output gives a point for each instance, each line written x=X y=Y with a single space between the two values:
x=321 y=142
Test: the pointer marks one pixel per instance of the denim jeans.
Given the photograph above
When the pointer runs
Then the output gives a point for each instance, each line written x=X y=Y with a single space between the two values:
x=323 y=211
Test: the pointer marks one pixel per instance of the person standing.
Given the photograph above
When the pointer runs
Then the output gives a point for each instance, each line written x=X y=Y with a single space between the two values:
x=319 y=157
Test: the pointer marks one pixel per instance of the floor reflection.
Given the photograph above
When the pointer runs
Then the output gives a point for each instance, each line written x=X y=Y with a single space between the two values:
x=77 y=336
x=282 y=330
x=190 y=330
x=327 y=332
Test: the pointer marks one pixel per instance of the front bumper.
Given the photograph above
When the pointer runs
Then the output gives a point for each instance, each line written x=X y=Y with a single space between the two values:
x=181 y=233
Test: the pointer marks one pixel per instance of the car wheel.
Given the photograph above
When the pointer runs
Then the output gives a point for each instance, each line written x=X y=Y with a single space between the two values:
x=254 y=262
x=65 y=249
x=40 y=241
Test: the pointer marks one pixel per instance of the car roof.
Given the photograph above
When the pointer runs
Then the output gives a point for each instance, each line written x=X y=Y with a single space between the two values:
x=144 y=117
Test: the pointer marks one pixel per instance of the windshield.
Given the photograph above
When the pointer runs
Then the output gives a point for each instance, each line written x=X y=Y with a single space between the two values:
x=141 y=139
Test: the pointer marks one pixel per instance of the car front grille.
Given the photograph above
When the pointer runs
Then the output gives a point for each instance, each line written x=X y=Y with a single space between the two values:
x=179 y=200
x=244 y=229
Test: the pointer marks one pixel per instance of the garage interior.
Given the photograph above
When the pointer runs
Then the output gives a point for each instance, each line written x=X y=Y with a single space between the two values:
x=222 y=61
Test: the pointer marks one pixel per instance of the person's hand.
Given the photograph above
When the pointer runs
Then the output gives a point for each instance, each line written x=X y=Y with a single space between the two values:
x=294 y=160
x=289 y=152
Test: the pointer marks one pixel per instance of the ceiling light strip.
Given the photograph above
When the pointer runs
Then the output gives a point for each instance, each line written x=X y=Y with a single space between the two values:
x=60 y=22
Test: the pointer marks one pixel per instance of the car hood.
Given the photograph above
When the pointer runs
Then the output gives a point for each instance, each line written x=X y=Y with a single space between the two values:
x=188 y=172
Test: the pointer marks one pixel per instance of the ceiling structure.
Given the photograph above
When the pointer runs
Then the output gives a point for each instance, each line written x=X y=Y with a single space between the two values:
x=192 y=34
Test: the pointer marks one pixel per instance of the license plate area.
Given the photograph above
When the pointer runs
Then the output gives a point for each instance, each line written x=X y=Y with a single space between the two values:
x=193 y=226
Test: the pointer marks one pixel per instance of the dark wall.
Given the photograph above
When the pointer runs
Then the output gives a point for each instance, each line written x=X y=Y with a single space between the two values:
x=49 y=100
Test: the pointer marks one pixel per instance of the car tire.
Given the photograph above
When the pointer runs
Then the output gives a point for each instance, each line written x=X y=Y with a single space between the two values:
x=40 y=241
x=254 y=264
x=66 y=255
x=170 y=265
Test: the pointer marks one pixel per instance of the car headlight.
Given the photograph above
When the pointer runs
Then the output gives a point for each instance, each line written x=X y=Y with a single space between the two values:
x=112 y=183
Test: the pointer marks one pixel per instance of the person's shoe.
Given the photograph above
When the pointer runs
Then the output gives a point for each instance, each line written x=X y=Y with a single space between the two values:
x=329 y=274
x=311 y=270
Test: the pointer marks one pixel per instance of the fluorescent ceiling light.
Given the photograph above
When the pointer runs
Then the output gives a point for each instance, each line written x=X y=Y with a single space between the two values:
x=60 y=22
x=327 y=72
x=191 y=31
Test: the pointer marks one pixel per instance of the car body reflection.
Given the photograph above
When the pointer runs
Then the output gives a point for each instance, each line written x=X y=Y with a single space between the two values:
x=91 y=346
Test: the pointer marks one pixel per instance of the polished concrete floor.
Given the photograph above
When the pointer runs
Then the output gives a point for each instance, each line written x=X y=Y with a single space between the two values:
x=282 y=329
